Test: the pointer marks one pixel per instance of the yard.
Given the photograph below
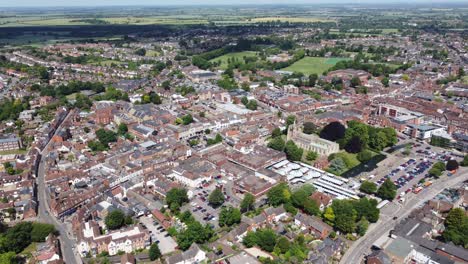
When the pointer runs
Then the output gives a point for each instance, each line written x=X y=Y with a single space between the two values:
x=238 y=55
x=309 y=65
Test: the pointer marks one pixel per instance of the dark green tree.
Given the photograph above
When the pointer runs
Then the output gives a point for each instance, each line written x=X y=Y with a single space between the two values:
x=216 y=198
x=387 y=190
x=247 y=203
x=154 y=252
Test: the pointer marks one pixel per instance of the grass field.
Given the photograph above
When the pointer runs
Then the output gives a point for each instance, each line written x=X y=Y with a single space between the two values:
x=309 y=65
x=238 y=55
x=291 y=19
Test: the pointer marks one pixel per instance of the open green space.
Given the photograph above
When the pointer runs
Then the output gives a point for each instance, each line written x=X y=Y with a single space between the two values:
x=235 y=55
x=309 y=65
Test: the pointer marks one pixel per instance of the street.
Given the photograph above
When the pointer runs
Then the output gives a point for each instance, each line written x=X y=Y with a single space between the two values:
x=361 y=247
x=44 y=214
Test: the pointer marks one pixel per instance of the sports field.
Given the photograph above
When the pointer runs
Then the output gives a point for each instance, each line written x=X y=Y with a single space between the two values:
x=238 y=55
x=309 y=65
x=291 y=19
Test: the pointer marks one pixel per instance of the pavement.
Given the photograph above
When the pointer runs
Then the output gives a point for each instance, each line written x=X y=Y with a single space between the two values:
x=166 y=244
x=361 y=247
x=44 y=214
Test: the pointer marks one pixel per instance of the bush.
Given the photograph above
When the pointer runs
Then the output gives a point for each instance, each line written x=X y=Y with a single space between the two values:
x=364 y=155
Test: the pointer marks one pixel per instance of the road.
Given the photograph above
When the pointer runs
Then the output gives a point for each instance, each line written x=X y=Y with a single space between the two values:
x=362 y=246
x=44 y=214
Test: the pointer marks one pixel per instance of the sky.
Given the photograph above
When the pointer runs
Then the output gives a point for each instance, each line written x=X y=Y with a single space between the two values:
x=31 y=3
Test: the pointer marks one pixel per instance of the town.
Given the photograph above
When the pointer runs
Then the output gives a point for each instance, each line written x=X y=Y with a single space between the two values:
x=279 y=137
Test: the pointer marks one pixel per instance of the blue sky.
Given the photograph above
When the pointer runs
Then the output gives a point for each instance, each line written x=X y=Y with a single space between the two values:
x=27 y=3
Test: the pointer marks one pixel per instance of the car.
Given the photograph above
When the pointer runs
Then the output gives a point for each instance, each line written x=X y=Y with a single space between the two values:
x=395 y=218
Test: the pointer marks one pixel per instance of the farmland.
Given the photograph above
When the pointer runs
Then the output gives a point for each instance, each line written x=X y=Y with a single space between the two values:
x=309 y=65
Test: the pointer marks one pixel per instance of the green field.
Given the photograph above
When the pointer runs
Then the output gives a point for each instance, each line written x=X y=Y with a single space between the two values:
x=309 y=65
x=238 y=55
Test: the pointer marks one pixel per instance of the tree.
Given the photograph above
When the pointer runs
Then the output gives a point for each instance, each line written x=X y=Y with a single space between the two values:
x=329 y=215
x=437 y=169
x=115 y=220
x=154 y=252
x=364 y=156
x=311 y=207
x=313 y=79
x=194 y=233
x=293 y=152
x=368 y=187
x=8 y=258
x=229 y=216
x=300 y=195
x=345 y=215
x=452 y=165
x=140 y=52
x=277 y=143
x=40 y=231
x=176 y=197
x=290 y=120
x=283 y=245
x=252 y=105
x=333 y=131
x=386 y=82
x=354 y=145
x=276 y=133
x=311 y=156
x=187 y=119
x=456 y=227
x=250 y=239
x=309 y=128
x=366 y=208
x=266 y=239
x=362 y=226
x=216 y=198
x=337 y=165
x=355 y=81
x=122 y=129
x=279 y=194
x=244 y=100
x=387 y=190
x=247 y=203
x=464 y=163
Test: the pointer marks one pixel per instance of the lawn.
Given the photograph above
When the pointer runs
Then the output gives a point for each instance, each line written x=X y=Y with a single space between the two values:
x=238 y=55
x=309 y=65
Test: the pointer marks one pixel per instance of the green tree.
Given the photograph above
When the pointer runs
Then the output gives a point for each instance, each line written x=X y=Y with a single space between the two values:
x=345 y=215
x=364 y=156
x=293 y=152
x=387 y=190
x=244 y=100
x=309 y=128
x=229 y=216
x=329 y=216
x=276 y=133
x=290 y=120
x=386 y=82
x=279 y=194
x=277 y=143
x=283 y=245
x=154 y=252
x=122 y=129
x=355 y=82
x=216 y=198
x=40 y=231
x=368 y=187
x=176 y=197
x=362 y=226
x=8 y=258
x=311 y=156
x=464 y=163
x=247 y=203
x=115 y=220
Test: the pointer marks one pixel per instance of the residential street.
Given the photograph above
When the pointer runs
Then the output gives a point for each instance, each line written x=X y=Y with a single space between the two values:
x=44 y=214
